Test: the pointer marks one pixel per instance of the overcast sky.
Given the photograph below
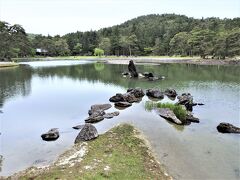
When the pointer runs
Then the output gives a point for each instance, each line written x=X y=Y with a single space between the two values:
x=64 y=16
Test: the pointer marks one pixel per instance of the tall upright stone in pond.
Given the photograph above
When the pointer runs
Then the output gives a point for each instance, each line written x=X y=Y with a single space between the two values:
x=88 y=132
x=132 y=69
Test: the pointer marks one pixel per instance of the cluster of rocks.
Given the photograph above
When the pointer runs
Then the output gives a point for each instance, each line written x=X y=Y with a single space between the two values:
x=157 y=94
x=186 y=100
x=132 y=72
x=87 y=131
x=126 y=100
x=97 y=113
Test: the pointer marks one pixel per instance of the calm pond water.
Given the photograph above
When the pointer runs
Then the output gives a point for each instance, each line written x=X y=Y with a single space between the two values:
x=44 y=95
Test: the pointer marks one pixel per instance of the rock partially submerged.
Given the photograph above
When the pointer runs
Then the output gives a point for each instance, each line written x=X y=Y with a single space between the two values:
x=186 y=99
x=78 y=127
x=51 y=135
x=155 y=93
x=148 y=74
x=170 y=93
x=132 y=95
x=97 y=113
x=123 y=104
x=132 y=69
x=95 y=117
x=227 y=128
x=191 y=118
x=88 y=132
x=168 y=114
x=137 y=92
x=99 y=107
x=111 y=115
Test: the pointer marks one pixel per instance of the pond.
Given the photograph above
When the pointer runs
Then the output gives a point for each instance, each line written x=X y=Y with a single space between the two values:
x=38 y=96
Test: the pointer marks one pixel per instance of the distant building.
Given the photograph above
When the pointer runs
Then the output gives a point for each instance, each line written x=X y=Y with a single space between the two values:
x=40 y=51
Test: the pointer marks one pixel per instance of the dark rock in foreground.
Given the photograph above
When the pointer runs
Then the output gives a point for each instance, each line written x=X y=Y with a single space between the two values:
x=227 y=128
x=51 y=135
x=168 y=114
x=122 y=104
x=154 y=93
x=88 y=132
x=132 y=69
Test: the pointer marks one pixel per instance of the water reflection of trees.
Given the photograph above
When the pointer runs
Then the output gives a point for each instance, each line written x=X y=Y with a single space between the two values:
x=111 y=74
x=14 y=81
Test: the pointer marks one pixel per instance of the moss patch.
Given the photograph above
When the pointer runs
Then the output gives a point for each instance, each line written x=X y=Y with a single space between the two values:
x=117 y=154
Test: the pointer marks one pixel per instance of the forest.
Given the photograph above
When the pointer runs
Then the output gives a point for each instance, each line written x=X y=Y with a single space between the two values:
x=150 y=35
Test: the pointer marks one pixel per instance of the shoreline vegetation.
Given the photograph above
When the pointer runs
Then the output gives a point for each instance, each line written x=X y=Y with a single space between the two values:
x=148 y=35
x=120 y=153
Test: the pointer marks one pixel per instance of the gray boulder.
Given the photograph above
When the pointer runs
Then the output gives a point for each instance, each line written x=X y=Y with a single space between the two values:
x=51 y=135
x=132 y=95
x=170 y=93
x=117 y=98
x=111 y=115
x=186 y=99
x=155 y=93
x=227 y=128
x=169 y=115
x=137 y=92
x=99 y=108
x=88 y=132
x=95 y=117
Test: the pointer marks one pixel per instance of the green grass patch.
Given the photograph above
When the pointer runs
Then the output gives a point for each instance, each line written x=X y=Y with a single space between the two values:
x=178 y=110
x=117 y=154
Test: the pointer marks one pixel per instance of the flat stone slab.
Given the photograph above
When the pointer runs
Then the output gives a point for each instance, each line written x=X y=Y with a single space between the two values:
x=111 y=115
x=168 y=114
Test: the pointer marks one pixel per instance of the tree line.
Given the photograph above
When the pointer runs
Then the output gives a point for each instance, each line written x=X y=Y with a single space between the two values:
x=166 y=34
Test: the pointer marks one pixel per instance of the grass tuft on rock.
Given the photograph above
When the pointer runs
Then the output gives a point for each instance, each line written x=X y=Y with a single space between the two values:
x=179 y=111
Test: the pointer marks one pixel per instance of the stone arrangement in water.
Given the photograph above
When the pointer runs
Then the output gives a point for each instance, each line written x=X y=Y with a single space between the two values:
x=121 y=101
